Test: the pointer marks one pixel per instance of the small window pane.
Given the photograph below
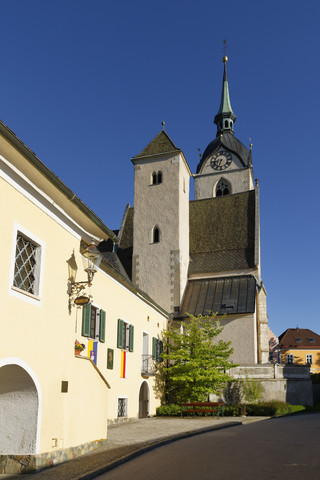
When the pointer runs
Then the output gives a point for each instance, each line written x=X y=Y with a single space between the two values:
x=26 y=265
x=309 y=359
x=93 y=322
x=290 y=358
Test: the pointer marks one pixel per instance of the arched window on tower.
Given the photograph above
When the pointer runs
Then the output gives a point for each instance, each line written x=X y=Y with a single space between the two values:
x=156 y=235
x=156 y=178
x=226 y=124
x=223 y=188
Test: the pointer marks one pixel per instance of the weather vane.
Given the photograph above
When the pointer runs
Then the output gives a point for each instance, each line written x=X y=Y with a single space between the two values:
x=225 y=46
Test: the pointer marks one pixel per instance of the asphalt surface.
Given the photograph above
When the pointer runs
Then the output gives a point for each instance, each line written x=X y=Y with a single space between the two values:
x=131 y=439
x=285 y=448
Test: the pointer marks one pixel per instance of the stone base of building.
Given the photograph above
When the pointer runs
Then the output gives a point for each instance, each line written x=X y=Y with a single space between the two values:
x=15 y=464
x=114 y=421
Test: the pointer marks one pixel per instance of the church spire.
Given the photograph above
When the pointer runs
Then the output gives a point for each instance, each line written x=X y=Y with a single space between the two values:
x=225 y=117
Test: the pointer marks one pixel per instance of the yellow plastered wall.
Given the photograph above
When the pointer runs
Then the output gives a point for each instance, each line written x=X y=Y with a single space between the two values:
x=40 y=332
x=144 y=318
x=300 y=357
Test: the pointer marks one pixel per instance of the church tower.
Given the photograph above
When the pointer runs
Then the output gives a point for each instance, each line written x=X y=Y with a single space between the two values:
x=202 y=255
x=225 y=167
x=161 y=222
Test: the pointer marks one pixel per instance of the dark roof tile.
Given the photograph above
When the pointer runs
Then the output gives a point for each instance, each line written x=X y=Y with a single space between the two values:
x=299 y=338
x=160 y=145
x=225 y=295
x=222 y=232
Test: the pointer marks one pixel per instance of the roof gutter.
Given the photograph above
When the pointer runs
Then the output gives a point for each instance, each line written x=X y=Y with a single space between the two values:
x=41 y=167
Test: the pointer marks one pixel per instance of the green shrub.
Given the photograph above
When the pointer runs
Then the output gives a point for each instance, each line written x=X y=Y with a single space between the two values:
x=272 y=408
x=315 y=408
x=171 y=410
x=231 y=411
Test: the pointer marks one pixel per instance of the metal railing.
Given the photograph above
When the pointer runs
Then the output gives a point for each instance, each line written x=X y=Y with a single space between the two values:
x=148 y=366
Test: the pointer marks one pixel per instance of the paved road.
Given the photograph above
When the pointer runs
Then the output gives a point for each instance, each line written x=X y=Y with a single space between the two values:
x=285 y=448
x=129 y=439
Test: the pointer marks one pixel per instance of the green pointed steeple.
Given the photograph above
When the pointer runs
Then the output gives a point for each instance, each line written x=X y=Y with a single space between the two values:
x=225 y=117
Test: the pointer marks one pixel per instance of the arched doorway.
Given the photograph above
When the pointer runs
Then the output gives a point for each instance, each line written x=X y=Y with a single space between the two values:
x=144 y=400
x=19 y=405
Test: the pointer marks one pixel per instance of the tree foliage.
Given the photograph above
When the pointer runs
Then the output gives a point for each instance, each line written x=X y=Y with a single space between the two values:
x=195 y=361
x=252 y=389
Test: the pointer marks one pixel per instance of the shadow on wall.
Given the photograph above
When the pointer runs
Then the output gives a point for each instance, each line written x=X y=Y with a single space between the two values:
x=299 y=389
x=19 y=405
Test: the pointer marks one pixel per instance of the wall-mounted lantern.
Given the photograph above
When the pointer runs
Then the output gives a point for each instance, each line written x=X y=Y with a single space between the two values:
x=91 y=261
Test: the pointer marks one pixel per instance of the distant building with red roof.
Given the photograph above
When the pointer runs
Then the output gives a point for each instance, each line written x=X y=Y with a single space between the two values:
x=300 y=346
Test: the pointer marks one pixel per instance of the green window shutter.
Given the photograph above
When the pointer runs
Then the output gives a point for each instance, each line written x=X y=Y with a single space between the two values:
x=154 y=348
x=160 y=349
x=120 y=334
x=102 y=330
x=131 y=333
x=86 y=317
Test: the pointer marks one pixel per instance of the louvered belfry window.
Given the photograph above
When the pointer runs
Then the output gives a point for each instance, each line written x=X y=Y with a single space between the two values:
x=26 y=268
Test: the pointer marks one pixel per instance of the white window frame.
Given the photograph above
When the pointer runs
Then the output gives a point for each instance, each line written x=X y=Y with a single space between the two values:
x=34 y=299
x=147 y=344
x=291 y=357
x=310 y=355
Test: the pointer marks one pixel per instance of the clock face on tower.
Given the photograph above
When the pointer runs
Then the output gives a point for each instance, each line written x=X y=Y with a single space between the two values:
x=221 y=160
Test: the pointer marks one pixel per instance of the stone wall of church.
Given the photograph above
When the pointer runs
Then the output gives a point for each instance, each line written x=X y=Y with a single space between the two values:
x=160 y=268
x=242 y=333
x=263 y=326
x=240 y=181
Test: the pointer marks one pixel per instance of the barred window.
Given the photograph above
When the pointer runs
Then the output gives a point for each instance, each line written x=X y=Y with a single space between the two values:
x=27 y=265
x=122 y=407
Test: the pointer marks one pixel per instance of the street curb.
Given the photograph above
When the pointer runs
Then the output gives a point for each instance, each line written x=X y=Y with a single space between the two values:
x=152 y=446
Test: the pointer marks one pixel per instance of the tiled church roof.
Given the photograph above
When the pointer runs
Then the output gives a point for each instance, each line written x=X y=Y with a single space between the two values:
x=222 y=232
x=161 y=144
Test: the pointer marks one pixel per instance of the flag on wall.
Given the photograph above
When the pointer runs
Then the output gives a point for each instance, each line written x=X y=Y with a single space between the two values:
x=93 y=351
x=123 y=364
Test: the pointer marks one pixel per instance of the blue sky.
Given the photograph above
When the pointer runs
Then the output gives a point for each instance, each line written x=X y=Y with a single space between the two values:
x=86 y=85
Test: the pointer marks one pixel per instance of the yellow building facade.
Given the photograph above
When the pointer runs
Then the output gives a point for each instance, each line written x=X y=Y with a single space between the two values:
x=51 y=399
x=300 y=346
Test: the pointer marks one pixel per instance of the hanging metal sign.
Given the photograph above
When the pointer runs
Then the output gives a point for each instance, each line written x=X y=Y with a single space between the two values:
x=82 y=300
